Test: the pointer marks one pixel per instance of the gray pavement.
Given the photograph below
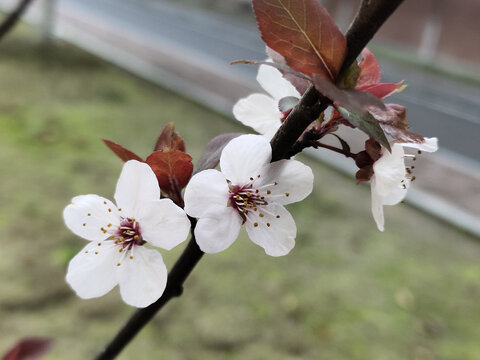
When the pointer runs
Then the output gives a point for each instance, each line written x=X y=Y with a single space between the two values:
x=189 y=51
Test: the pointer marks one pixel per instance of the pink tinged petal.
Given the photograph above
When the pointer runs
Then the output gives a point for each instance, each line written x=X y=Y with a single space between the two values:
x=91 y=217
x=244 y=157
x=258 y=111
x=293 y=179
x=274 y=83
x=142 y=277
x=218 y=229
x=206 y=189
x=91 y=273
x=275 y=231
x=429 y=145
x=136 y=185
x=377 y=206
x=163 y=224
x=389 y=170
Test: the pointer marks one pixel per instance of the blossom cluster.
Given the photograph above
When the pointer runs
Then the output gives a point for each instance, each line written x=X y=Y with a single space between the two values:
x=248 y=189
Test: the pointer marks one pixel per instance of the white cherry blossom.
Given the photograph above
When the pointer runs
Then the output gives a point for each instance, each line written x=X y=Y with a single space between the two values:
x=391 y=177
x=260 y=111
x=117 y=234
x=249 y=190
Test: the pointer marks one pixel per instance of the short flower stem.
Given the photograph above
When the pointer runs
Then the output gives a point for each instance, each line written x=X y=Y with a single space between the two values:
x=337 y=150
x=372 y=14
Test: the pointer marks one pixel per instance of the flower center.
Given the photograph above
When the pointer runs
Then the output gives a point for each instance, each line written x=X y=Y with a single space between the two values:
x=245 y=199
x=128 y=234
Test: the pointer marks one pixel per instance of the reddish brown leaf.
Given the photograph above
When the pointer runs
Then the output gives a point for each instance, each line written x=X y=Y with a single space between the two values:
x=351 y=99
x=121 y=152
x=173 y=169
x=169 y=139
x=381 y=90
x=211 y=155
x=393 y=120
x=29 y=349
x=300 y=83
x=303 y=32
x=370 y=71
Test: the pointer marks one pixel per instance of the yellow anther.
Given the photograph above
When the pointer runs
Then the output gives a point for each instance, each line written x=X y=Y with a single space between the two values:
x=109 y=225
x=268 y=224
x=261 y=215
x=120 y=250
x=249 y=194
x=258 y=176
x=244 y=211
x=84 y=224
x=118 y=264
x=105 y=202
x=135 y=237
x=287 y=194
x=256 y=191
x=131 y=257
x=89 y=214
x=96 y=252
x=109 y=210
x=255 y=224
x=99 y=244
x=119 y=209
x=86 y=251
x=269 y=192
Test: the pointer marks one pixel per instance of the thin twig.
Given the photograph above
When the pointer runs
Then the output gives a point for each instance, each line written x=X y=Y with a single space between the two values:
x=306 y=111
x=13 y=18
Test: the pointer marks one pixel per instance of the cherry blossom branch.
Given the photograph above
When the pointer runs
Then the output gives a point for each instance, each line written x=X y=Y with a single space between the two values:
x=13 y=18
x=373 y=14
x=370 y=17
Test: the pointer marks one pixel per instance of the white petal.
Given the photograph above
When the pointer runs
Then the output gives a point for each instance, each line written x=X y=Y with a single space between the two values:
x=278 y=238
x=87 y=215
x=136 y=185
x=274 y=83
x=218 y=230
x=429 y=145
x=163 y=224
x=377 y=206
x=91 y=273
x=397 y=195
x=143 y=278
x=258 y=111
x=389 y=171
x=207 y=188
x=244 y=157
x=291 y=176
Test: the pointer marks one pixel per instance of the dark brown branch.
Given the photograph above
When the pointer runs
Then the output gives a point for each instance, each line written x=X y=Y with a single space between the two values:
x=13 y=18
x=371 y=15
x=374 y=13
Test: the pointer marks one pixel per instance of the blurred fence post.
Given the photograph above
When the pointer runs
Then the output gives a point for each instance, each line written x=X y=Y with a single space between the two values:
x=47 y=21
x=431 y=31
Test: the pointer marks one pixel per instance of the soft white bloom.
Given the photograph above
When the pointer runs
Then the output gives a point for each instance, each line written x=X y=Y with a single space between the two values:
x=260 y=111
x=116 y=253
x=249 y=190
x=391 y=178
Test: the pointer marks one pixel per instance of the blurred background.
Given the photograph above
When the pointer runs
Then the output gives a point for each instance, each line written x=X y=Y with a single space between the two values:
x=80 y=70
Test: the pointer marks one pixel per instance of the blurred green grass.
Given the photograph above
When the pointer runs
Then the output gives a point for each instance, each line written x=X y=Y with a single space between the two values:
x=346 y=291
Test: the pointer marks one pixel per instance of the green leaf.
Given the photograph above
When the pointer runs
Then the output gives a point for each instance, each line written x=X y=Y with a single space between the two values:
x=367 y=123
